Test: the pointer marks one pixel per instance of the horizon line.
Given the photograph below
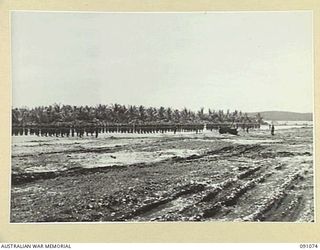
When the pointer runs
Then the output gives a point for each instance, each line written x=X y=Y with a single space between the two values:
x=147 y=106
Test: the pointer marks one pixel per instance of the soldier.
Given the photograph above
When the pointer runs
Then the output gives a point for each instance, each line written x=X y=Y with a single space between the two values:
x=81 y=132
x=272 y=129
x=77 y=131
x=37 y=131
x=87 y=131
x=96 y=132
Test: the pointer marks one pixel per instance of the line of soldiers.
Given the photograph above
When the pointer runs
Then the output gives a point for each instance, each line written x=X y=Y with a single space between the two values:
x=93 y=130
x=80 y=131
x=55 y=131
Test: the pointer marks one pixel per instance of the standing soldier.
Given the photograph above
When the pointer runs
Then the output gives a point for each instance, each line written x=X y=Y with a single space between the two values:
x=272 y=129
x=96 y=132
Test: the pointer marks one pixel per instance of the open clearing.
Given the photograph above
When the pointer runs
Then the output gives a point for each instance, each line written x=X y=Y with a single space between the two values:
x=164 y=177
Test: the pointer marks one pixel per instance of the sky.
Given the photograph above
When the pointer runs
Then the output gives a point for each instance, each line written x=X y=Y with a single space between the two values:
x=249 y=61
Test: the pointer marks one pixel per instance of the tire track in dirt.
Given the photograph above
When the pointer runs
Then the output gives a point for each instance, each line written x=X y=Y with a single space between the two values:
x=281 y=198
x=273 y=201
x=180 y=202
x=294 y=201
x=219 y=207
x=185 y=190
x=181 y=205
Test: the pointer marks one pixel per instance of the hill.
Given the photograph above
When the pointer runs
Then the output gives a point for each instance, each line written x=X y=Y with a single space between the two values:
x=283 y=116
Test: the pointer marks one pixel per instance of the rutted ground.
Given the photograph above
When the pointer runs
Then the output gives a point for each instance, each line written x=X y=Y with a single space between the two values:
x=204 y=177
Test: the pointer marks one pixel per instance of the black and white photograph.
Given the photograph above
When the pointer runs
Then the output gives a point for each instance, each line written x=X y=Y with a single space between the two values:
x=162 y=117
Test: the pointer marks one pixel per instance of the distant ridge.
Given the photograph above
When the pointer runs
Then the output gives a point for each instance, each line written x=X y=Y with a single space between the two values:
x=283 y=116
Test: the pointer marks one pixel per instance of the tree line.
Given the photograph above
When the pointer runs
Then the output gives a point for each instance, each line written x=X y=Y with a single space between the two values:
x=121 y=114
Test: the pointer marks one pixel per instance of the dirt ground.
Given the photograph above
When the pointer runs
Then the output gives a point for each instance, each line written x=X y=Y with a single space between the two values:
x=184 y=177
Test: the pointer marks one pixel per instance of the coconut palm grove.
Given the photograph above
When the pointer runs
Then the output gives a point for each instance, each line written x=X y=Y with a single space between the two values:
x=67 y=120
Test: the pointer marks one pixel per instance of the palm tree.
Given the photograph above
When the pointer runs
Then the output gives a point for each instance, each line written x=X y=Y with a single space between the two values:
x=168 y=114
x=151 y=114
x=176 y=116
x=142 y=113
x=161 y=114
x=200 y=114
